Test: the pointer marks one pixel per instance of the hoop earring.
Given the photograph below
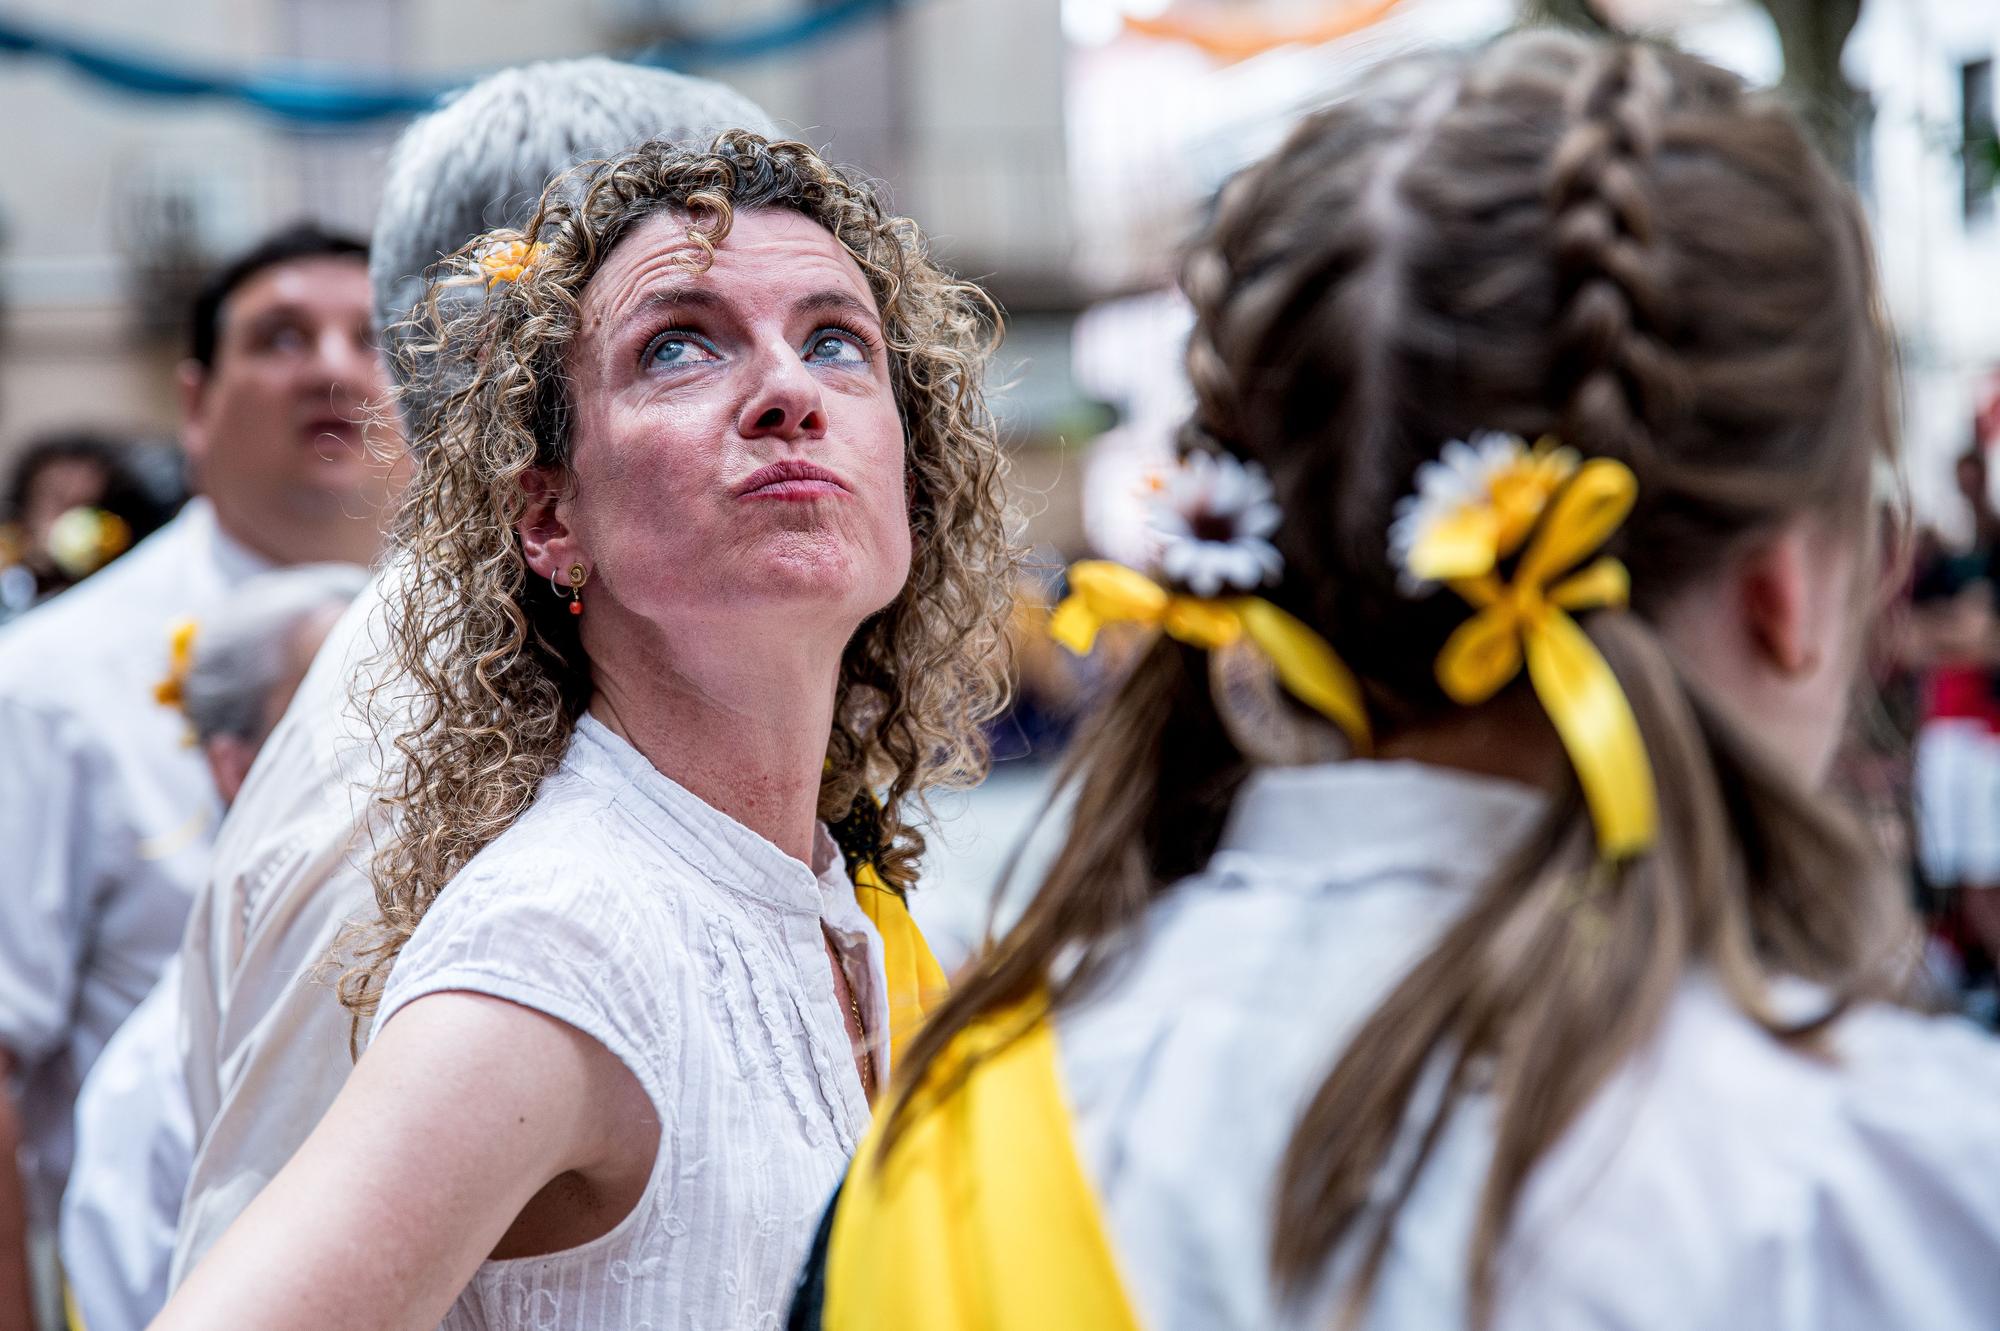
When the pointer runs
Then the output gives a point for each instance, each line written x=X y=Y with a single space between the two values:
x=578 y=575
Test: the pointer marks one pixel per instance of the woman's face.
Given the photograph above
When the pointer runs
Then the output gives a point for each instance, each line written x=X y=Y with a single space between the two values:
x=736 y=451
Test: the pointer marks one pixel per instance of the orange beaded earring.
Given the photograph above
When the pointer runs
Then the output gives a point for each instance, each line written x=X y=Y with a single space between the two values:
x=578 y=575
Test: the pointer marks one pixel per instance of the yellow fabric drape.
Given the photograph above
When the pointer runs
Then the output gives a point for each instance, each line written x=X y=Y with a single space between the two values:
x=916 y=982
x=981 y=1219
x=1103 y=593
x=1528 y=619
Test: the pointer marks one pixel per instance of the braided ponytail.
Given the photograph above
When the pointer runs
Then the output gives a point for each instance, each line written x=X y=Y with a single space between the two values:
x=1563 y=967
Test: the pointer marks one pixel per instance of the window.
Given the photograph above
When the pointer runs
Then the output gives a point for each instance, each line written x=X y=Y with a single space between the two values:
x=1981 y=150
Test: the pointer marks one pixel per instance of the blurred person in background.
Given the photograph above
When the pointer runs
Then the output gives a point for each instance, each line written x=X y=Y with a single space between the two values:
x=266 y=1044
x=741 y=559
x=1543 y=385
x=1952 y=636
x=134 y=1132
x=106 y=814
x=74 y=502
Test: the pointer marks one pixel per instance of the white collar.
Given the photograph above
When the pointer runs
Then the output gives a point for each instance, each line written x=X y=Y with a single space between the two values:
x=720 y=848
x=1357 y=819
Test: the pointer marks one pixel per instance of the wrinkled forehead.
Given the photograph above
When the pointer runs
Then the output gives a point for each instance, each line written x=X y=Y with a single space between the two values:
x=769 y=256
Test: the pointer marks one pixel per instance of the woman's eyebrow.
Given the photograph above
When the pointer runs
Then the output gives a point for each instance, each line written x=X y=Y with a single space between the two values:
x=677 y=297
x=835 y=301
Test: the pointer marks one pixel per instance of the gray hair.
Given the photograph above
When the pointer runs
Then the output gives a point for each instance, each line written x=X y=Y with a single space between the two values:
x=482 y=160
x=242 y=650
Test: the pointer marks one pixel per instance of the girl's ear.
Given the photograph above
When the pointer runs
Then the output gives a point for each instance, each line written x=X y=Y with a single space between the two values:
x=1781 y=616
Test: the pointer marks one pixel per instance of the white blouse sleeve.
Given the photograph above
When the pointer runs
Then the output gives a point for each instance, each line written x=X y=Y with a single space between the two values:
x=547 y=930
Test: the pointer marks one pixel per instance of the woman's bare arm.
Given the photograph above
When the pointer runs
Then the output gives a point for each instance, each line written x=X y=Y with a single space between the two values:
x=462 y=1109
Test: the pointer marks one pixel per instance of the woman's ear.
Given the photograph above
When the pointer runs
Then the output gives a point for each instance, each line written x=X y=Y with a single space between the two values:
x=546 y=540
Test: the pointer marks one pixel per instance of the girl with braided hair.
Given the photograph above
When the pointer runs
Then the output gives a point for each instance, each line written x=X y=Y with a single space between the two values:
x=1452 y=930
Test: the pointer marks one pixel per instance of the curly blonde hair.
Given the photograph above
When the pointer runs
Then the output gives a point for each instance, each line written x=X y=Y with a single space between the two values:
x=482 y=654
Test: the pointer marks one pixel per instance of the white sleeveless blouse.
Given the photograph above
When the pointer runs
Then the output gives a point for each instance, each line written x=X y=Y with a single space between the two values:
x=691 y=948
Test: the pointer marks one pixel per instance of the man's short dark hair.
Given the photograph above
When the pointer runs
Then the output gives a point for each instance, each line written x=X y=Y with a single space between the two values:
x=302 y=240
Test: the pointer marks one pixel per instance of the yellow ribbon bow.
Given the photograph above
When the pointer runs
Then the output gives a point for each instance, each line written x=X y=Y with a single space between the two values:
x=1529 y=618
x=1102 y=592
x=170 y=691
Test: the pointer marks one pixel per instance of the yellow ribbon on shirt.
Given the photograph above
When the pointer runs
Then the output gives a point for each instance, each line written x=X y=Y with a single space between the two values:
x=981 y=1217
x=1101 y=592
x=170 y=691
x=1528 y=618
x=917 y=983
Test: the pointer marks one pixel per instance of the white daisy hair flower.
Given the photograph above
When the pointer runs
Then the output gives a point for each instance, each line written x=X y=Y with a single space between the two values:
x=1214 y=516
x=1473 y=507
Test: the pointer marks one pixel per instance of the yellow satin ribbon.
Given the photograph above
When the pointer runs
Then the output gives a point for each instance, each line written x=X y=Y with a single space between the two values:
x=981 y=1218
x=1529 y=618
x=1103 y=593
x=917 y=983
x=180 y=659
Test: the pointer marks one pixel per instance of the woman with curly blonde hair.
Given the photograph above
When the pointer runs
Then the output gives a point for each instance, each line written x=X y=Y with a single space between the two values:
x=707 y=548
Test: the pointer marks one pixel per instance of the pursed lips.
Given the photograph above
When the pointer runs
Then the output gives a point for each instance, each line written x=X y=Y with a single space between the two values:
x=793 y=480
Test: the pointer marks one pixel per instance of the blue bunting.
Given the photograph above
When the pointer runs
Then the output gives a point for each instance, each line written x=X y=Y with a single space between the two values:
x=303 y=99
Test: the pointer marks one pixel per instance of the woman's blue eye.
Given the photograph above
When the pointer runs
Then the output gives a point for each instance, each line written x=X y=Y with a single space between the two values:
x=834 y=345
x=678 y=351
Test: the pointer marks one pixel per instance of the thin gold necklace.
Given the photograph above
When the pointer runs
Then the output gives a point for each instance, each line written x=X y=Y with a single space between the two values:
x=867 y=1054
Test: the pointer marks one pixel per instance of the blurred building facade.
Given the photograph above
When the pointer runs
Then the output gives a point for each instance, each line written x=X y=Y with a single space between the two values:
x=114 y=203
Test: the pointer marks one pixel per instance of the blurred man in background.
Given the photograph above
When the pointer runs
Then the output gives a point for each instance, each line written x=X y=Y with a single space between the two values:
x=134 y=1134
x=266 y=1044
x=106 y=814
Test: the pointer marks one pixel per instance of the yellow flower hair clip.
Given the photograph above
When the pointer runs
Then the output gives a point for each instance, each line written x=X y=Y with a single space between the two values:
x=1214 y=522
x=508 y=260
x=1485 y=502
x=172 y=691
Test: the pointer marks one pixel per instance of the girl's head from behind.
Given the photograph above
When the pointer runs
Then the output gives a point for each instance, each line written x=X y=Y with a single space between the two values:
x=1621 y=251
x=1614 y=246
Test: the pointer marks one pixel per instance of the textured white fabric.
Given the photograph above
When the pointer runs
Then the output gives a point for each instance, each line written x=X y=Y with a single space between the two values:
x=1718 y=1182
x=693 y=950
x=264 y=1043
x=134 y=1138
x=106 y=815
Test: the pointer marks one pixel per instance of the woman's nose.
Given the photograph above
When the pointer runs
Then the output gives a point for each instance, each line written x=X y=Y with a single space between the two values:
x=786 y=402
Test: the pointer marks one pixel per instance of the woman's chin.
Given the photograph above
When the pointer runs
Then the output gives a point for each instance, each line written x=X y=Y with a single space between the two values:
x=822 y=579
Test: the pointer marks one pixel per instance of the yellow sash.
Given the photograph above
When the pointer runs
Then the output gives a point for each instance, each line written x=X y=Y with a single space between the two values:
x=916 y=981
x=981 y=1218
